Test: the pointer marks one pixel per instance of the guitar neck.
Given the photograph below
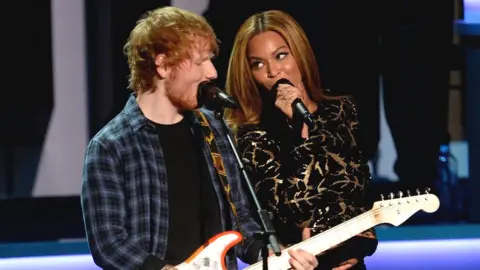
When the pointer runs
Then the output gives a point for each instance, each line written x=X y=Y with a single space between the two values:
x=324 y=241
x=338 y=234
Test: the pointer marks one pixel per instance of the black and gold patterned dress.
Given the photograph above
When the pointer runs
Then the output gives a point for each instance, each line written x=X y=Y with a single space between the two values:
x=316 y=182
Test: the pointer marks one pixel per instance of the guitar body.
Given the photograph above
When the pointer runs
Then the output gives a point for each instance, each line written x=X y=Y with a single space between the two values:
x=394 y=211
x=212 y=254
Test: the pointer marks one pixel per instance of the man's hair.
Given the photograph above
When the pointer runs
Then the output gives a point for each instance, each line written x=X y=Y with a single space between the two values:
x=240 y=82
x=166 y=30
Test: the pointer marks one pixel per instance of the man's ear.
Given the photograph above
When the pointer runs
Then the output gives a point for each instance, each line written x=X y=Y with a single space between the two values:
x=162 y=70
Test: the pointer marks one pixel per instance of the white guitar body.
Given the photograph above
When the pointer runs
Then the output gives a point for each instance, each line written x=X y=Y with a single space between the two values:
x=394 y=211
x=211 y=255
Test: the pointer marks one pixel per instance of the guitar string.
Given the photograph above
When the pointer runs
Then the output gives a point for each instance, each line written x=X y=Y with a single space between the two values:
x=344 y=224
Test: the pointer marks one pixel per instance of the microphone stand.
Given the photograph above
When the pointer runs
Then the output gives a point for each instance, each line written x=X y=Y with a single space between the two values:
x=267 y=234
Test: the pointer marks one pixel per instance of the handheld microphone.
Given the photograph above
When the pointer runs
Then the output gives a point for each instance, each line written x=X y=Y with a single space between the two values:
x=214 y=98
x=299 y=109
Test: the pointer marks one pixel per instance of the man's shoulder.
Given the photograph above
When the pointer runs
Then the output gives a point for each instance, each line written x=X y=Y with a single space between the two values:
x=115 y=131
x=209 y=114
x=212 y=119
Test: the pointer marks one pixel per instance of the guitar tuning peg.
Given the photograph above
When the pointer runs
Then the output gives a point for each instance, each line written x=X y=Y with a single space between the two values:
x=427 y=190
x=400 y=194
x=391 y=195
x=382 y=197
x=408 y=193
x=418 y=191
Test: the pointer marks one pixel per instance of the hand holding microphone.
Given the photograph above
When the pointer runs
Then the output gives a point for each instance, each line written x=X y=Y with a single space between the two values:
x=289 y=100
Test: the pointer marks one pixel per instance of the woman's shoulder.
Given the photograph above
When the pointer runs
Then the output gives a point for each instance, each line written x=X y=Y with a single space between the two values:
x=337 y=104
x=346 y=100
x=251 y=130
x=249 y=127
x=337 y=107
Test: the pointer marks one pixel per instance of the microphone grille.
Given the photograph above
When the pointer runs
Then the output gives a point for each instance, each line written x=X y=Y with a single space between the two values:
x=281 y=81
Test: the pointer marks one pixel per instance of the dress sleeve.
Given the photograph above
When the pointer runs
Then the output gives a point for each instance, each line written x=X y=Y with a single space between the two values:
x=351 y=117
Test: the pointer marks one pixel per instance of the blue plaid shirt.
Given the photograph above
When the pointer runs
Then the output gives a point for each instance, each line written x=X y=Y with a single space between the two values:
x=124 y=193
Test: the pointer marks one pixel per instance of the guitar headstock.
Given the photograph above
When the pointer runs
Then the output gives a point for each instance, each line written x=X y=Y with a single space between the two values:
x=397 y=209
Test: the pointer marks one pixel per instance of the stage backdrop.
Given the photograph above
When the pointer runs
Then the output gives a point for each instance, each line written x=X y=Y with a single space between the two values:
x=81 y=96
x=60 y=166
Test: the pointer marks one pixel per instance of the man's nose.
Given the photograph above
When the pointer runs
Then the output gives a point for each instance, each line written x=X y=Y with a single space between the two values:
x=211 y=71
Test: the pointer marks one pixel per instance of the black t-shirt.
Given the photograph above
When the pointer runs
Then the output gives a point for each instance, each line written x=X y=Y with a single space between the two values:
x=194 y=214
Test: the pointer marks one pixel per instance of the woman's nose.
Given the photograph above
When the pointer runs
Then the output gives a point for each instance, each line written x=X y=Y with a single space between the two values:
x=273 y=70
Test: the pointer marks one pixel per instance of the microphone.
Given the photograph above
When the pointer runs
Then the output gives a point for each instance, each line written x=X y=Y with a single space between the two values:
x=214 y=98
x=299 y=109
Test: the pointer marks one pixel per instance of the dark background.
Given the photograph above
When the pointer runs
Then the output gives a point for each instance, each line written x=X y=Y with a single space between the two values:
x=345 y=36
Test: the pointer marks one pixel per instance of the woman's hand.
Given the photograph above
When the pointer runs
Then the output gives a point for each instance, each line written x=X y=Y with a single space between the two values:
x=306 y=233
x=346 y=265
x=286 y=94
x=302 y=260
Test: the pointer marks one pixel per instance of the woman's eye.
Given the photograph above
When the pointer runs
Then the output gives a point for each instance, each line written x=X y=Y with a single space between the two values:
x=257 y=65
x=282 y=55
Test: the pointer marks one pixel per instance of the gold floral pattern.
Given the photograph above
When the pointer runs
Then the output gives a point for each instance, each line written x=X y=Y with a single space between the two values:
x=325 y=185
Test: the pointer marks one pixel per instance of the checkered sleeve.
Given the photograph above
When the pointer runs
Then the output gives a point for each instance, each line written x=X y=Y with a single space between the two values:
x=104 y=210
x=249 y=249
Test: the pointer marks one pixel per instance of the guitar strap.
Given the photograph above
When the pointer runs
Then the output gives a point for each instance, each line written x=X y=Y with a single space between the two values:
x=217 y=161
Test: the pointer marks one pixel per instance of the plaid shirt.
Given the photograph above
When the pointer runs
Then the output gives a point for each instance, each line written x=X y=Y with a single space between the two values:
x=124 y=192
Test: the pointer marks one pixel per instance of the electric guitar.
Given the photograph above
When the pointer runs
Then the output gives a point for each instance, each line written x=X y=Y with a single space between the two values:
x=394 y=211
